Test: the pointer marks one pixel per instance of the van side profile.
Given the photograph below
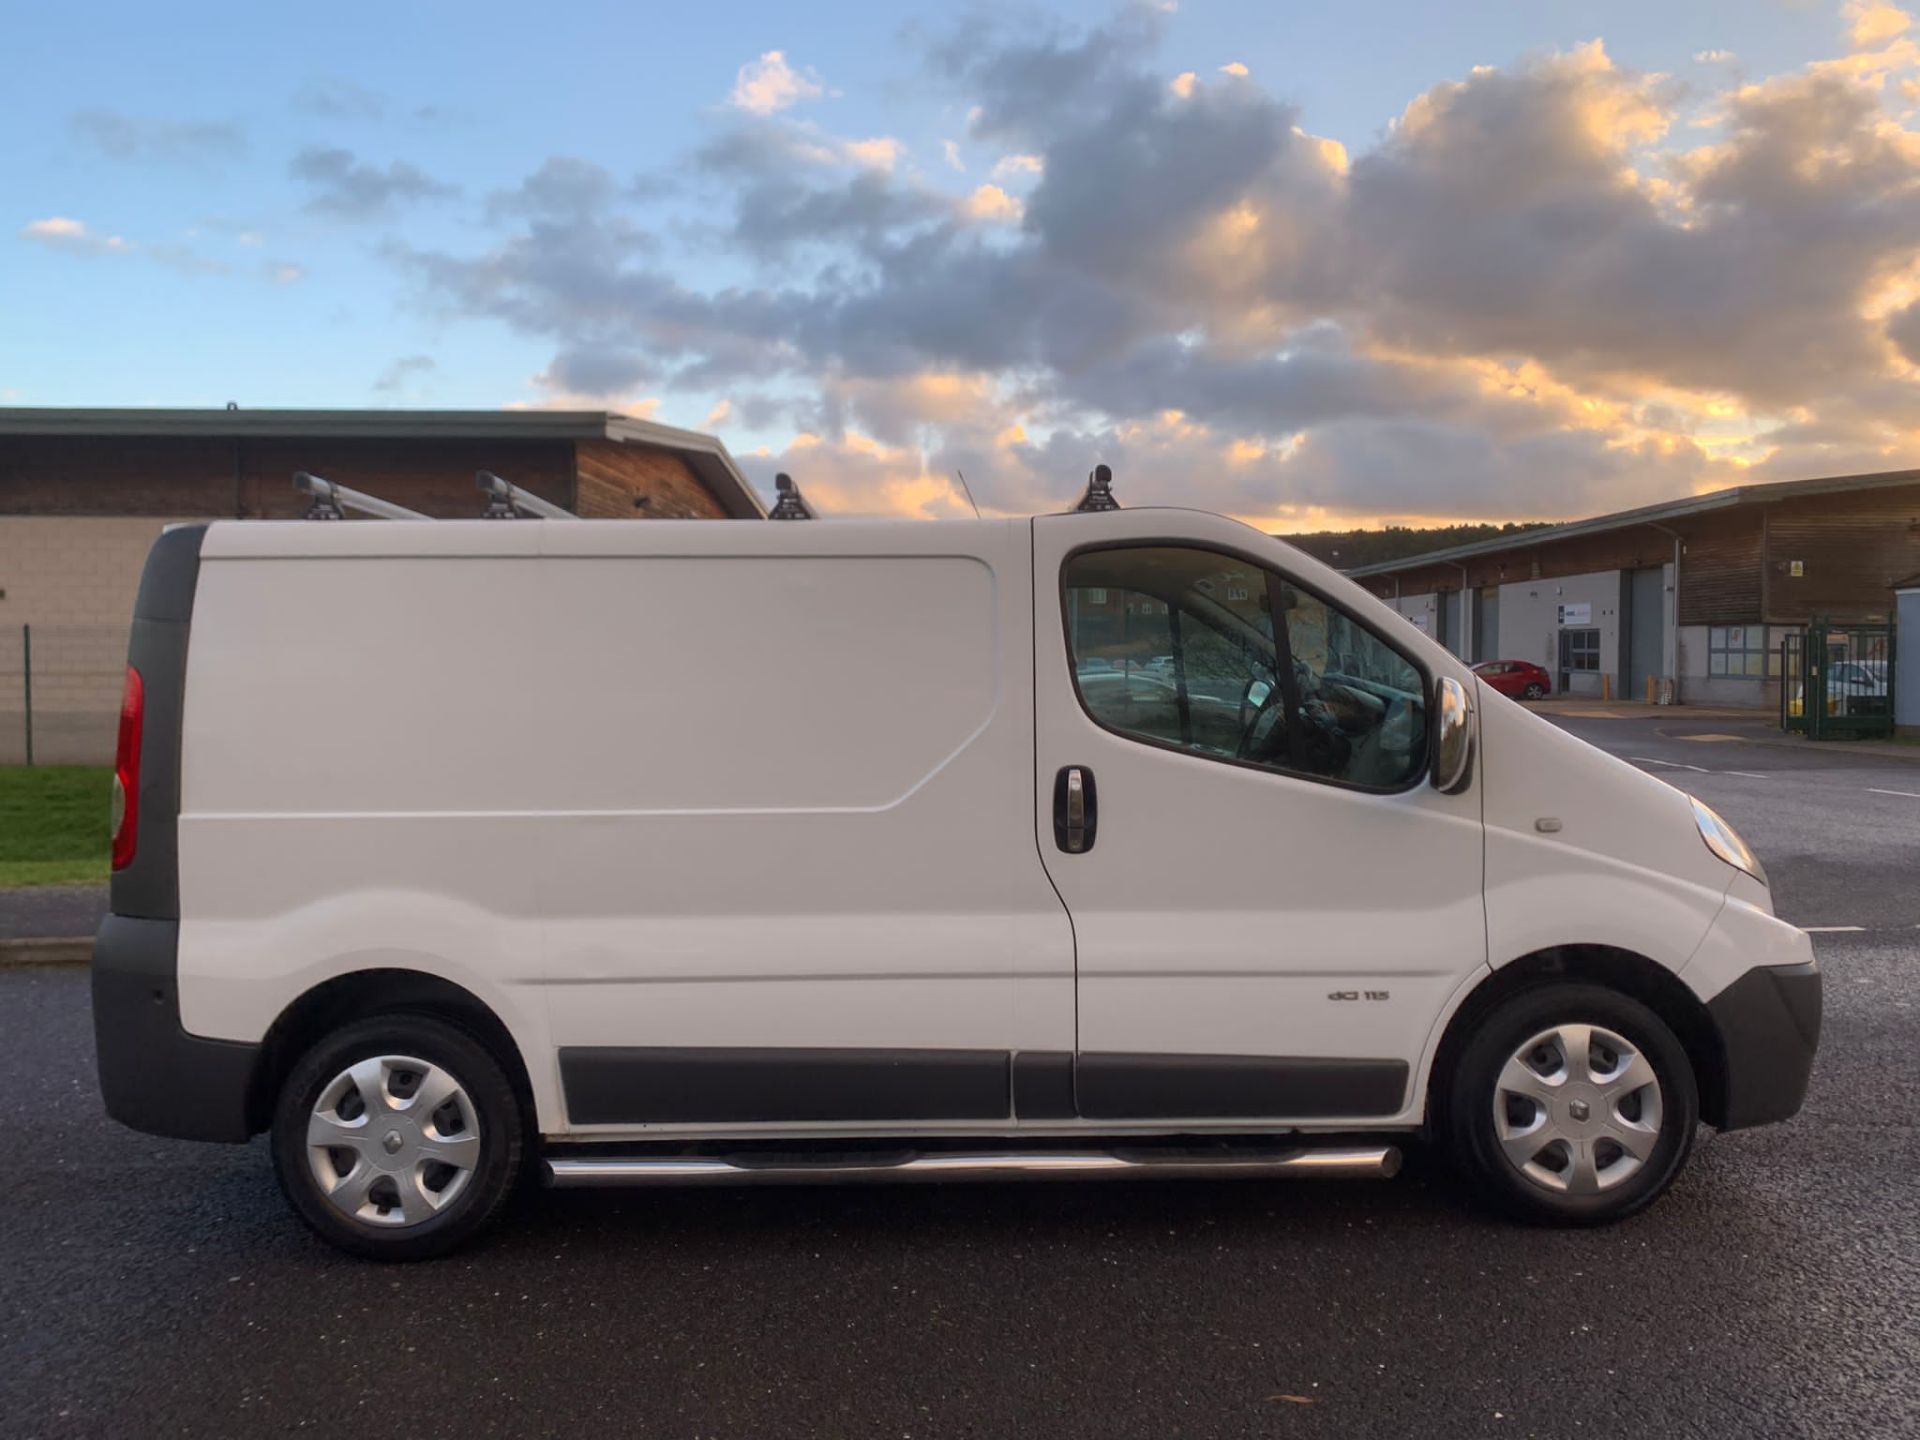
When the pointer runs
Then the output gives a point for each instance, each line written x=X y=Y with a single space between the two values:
x=1133 y=842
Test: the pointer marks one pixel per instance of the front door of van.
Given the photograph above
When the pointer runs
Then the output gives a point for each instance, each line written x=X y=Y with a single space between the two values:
x=1271 y=905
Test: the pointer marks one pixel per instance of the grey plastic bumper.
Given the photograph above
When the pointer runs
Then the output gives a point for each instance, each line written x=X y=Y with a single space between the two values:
x=154 y=1075
x=1769 y=1026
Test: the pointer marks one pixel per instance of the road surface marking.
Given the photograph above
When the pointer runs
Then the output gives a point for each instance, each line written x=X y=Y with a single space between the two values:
x=1908 y=794
x=1748 y=774
x=1734 y=738
x=1673 y=764
x=1833 y=929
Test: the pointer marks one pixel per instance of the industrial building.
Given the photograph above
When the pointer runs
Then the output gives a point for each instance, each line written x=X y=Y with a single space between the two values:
x=1685 y=602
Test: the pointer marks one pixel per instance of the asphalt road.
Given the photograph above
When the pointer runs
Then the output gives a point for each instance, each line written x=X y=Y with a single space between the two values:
x=156 y=1288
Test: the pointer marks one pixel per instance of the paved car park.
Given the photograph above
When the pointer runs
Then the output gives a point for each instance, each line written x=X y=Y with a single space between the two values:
x=162 y=1288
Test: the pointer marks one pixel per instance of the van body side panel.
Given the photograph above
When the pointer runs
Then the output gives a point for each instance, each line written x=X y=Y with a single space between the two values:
x=792 y=815
x=1621 y=865
x=362 y=749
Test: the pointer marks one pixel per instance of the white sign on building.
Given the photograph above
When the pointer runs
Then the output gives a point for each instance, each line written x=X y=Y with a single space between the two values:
x=1581 y=614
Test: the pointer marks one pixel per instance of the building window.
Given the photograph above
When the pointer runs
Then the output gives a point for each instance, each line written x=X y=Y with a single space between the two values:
x=1582 y=649
x=1738 y=651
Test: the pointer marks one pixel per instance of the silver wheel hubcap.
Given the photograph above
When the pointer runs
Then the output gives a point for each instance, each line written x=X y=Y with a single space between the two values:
x=1577 y=1110
x=392 y=1141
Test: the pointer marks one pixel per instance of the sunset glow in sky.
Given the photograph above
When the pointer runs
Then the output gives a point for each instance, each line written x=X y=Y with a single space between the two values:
x=1359 y=264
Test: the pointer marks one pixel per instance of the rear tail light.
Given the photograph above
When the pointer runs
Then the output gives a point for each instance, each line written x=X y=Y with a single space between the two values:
x=126 y=771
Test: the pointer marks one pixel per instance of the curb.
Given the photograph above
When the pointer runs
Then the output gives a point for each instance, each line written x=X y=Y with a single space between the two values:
x=46 y=950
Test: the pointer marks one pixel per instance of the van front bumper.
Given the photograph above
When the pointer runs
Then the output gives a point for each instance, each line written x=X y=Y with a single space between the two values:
x=154 y=1076
x=1769 y=1027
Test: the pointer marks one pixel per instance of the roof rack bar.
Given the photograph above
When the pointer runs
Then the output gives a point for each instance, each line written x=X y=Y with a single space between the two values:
x=331 y=501
x=507 y=501
x=791 y=505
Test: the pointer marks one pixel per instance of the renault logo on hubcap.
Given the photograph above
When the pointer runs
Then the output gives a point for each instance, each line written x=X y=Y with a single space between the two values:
x=393 y=1142
x=1579 y=1110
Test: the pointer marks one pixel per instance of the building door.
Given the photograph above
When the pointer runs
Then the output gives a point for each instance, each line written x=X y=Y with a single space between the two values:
x=1486 y=619
x=1646 y=630
x=1270 y=904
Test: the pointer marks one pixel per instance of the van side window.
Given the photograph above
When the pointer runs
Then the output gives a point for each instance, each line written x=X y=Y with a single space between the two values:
x=1177 y=647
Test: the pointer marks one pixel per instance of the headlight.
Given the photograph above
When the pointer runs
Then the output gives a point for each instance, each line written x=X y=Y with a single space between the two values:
x=1723 y=840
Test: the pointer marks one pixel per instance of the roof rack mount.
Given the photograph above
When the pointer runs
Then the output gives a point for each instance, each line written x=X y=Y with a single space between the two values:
x=791 y=505
x=507 y=501
x=1099 y=493
x=331 y=501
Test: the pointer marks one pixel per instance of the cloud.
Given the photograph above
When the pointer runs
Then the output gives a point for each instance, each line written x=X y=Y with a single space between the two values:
x=1541 y=291
x=992 y=204
x=881 y=153
x=1903 y=328
x=351 y=189
x=60 y=232
x=138 y=137
x=285 y=272
x=950 y=150
x=1236 y=69
x=770 y=83
x=332 y=98
x=402 y=373
x=1184 y=84
x=1872 y=25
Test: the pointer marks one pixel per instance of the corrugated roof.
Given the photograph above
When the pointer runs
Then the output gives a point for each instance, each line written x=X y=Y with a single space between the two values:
x=1649 y=515
x=705 y=453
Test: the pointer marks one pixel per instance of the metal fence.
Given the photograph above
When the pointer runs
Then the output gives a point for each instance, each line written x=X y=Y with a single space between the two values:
x=60 y=693
x=1837 y=680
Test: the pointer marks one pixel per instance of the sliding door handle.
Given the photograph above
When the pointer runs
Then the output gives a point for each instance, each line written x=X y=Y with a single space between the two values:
x=1076 y=812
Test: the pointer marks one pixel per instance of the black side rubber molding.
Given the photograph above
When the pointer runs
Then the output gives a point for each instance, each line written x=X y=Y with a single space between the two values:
x=1043 y=1085
x=622 y=1085
x=1769 y=1025
x=1175 y=1087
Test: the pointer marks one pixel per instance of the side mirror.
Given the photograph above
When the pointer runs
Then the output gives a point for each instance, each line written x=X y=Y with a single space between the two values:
x=1452 y=737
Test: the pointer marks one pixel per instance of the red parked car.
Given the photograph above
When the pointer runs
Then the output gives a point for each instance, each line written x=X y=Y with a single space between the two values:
x=1517 y=678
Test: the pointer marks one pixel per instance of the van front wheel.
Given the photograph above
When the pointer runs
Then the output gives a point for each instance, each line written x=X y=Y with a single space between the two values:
x=1574 y=1104
x=397 y=1138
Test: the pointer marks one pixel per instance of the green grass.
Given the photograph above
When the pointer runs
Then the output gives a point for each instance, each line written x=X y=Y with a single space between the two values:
x=53 y=825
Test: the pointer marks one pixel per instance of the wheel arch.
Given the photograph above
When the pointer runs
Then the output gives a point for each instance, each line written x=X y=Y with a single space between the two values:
x=1625 y=971
x=363 y=993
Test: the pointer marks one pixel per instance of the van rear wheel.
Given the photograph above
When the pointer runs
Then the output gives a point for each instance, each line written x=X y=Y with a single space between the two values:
x=397 y=1137
x=1573 y=1104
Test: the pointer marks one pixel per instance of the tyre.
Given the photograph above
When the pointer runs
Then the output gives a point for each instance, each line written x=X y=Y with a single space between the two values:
x=1536 y=691
x=398 y=1137
x=1572 y=1104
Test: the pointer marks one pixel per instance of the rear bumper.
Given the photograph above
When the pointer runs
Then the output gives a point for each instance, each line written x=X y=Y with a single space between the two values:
x=154 y=1075
x=1769 y=1028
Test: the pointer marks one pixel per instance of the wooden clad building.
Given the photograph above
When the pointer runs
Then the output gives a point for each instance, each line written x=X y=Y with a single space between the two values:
x=1692 y=595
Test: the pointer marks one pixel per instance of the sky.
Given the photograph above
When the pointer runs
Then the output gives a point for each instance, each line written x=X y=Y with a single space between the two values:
x=1310 y=265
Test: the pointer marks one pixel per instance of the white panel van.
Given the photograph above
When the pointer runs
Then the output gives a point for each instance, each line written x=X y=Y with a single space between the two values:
x=1124 y=843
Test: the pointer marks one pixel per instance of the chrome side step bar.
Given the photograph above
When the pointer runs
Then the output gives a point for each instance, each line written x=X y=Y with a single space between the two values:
x=1345 y=1162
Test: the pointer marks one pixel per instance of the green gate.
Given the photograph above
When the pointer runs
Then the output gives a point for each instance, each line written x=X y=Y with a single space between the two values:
x=1836 y=681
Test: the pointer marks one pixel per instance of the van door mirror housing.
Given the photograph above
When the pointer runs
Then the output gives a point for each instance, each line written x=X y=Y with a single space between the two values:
x=1452 y=737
